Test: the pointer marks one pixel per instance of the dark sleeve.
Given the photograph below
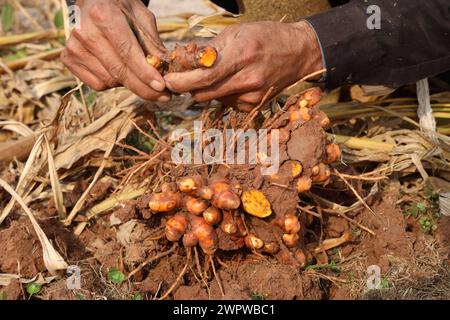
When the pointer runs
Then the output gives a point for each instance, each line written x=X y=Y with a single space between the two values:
x=413 y=42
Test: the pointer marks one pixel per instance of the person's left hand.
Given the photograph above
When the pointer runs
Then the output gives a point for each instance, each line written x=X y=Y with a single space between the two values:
x=253 y=57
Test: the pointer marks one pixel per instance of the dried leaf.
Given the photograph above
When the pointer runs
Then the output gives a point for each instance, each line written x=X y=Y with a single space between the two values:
x=17 y=127
x=52 y=259
x=56 y=186
x=28 y=173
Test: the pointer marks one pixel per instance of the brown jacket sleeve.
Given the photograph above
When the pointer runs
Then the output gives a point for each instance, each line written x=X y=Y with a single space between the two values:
x=413 y=42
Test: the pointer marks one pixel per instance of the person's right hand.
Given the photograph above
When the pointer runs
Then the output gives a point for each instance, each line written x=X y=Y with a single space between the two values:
x=105 y=53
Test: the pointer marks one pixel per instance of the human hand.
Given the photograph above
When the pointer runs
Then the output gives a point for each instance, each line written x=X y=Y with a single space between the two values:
x=253 y=58
x=105 y=53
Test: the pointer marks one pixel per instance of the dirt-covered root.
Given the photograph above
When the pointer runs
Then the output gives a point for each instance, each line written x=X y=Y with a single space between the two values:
x=237 y=206
x=185 y=58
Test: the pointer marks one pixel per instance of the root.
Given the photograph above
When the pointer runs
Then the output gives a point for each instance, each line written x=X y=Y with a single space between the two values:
x=216 y=276
x=182 y=273
x=199 y=269
x=152 y=259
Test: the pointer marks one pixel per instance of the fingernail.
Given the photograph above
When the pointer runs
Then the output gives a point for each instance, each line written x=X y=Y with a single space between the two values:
x=164 y=99
x=158 y=86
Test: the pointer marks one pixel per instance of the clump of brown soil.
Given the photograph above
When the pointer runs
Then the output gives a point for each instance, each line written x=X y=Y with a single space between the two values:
x=21 y=251
x=256 y=279
x=13 y=291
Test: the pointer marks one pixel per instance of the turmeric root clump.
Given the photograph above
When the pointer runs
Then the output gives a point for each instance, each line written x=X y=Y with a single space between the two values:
x=185 y=58
x=224 y=211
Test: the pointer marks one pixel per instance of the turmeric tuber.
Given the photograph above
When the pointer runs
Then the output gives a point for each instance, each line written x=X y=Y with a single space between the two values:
x=291 y=224
x=185 y=58
x=207 y=237
x=256 y=204
x=190 y=184
x=303 y=184
x=212 y=216
x=290 y=240
x=323 y=173
x=165 y=201
x=205 y=193
x=195 y=206
x=253 y=242
x=223 y=196
x=176 y=227
x=228 y=224
x=333 y=153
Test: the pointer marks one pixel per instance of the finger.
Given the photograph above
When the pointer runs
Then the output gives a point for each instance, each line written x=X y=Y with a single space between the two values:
x=139 y=88
x=82 y=57
x=244 y=102
x=148 y=23
x=248 y=101
x=124 y=44
x=105 y=53
x=82 y=73
x=226 y=36
x=241 y=82
x=226 y=65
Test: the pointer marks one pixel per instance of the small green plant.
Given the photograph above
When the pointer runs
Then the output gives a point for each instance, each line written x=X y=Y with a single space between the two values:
x=137 y=296
x=90 y=98
x=33 y=288
x=15 y=54
x=426 y=212
x=140 y=141
x=417 y=210
x=4 y=296
x=116 y=276
x=257 y=296
x=79 y=296
x=385 y=283
x=332 y=266
x=426 y=225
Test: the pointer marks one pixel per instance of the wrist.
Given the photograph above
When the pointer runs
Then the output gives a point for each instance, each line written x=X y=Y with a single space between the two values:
x=309 y=51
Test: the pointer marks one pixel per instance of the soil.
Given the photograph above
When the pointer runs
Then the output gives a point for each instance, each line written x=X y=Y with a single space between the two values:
x=243 y=274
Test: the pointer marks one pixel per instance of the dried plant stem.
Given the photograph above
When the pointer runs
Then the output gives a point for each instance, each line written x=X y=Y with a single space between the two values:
x=347 y=176
x=352 y=221
x=20 y=63
x=355 y=192
x=30 y=37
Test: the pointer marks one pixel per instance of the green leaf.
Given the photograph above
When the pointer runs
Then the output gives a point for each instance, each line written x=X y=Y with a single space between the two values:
x=257 y=296
x=137 y=296
x=90 y=98
x=58 y=20
x=421 y=207
x=116 y=276
x=4 y=296
x=18 y=54
x=33 y=288
x=79 y=296
x=7 y=17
